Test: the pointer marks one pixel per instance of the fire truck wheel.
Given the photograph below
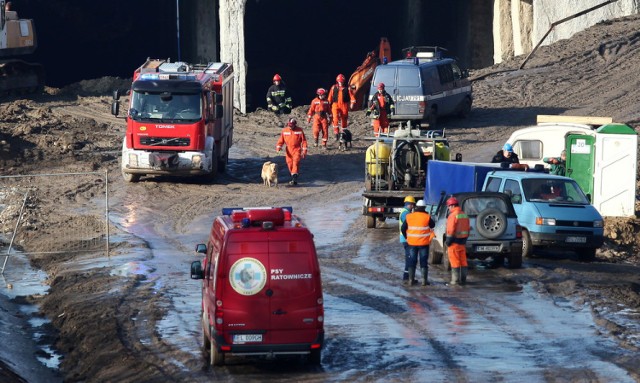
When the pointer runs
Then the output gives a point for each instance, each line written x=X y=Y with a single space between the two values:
x=222 y=164
x=128 y=177
x=371 y=222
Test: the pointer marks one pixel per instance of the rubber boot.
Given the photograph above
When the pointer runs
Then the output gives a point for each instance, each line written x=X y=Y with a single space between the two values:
x=463 y=275
x=405 y=275
x=455 y=276
x=315 y=144
x=295 y=178
x=412 y=276
x=424 y=271
x=337 y=136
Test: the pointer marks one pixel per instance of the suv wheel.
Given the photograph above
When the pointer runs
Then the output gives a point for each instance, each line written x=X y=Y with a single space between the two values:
x=434 y=257
x=491 y=223
x=514 y=260
x=446 y=265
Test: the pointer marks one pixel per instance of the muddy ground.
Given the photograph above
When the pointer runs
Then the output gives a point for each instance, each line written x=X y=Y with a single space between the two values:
x=68 y=130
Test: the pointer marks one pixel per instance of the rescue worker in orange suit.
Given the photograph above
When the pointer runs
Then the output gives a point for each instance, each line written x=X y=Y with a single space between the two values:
x=320 y=112
x=417 y=229
x=342 y=99
x=278 y=101
x=293 y=138
x=380 y=108
x=409 y=204
x=457 y=234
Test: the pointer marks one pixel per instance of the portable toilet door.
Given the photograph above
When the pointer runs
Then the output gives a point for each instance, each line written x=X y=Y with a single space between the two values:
x=580 y=161
x=614 y=193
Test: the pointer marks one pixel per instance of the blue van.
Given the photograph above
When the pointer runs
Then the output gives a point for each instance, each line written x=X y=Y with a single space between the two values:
x=552 y=210
x=425 y=85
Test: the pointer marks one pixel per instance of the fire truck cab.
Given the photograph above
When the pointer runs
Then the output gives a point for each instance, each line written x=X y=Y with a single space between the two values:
x=179 y=121
x=261 y=286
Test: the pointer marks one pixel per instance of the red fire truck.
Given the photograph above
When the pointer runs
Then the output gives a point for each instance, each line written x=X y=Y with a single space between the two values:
x=179 y=121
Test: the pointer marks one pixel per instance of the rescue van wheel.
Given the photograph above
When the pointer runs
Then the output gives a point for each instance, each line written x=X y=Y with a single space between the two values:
x=371 y=222
x=216 y=358
x=128 y=177
x=465 y=109
x=315 y=357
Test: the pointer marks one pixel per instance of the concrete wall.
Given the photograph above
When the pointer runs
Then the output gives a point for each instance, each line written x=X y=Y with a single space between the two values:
x=232 y=46
x=519 y=25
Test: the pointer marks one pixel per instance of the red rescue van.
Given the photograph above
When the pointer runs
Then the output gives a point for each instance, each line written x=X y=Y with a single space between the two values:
x=261 y=286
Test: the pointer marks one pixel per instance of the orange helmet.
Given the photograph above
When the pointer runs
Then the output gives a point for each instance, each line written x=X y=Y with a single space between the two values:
x=340 y=78
x=292 y=122
x=452 y=201
x=277 y=77
x=381 y=86
x=321 y=92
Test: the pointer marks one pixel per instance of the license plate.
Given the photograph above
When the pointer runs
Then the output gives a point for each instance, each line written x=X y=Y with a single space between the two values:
x=245 y=338
x=487 y=248
x=576 y=240
x=397 y=209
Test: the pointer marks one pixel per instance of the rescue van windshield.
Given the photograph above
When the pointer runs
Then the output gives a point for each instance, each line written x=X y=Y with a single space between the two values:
x=165 y=106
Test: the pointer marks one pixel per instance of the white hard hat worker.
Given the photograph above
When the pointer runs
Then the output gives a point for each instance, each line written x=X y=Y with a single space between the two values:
x=421 y=205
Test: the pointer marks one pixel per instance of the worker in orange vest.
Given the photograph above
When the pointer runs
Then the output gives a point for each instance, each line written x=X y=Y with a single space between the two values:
x=342 y=99
x=320 y=112
x=457 y=234
x=292 y=136
x=380 y=108
x=417 y=229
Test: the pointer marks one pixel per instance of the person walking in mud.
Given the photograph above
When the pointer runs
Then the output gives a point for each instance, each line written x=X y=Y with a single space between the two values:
x=320 y=112
x=381 y=107
x=342 y=99
x=278 y=100
x=292 y=137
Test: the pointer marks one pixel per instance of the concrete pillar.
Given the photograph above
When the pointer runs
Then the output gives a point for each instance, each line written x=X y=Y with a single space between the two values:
x=232 y=46
x=502 y=30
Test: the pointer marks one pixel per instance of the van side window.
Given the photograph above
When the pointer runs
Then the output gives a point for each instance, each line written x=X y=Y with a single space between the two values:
x=512 y=188
x=528 y=149
x=493 y=184
x=431 y=80
x=387 y=75
x=446 y=73
x=457 y=73
x=409 y=77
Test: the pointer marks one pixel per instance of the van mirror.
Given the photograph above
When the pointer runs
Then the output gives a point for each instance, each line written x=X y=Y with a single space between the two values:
x=115 y=107
x=196 y=270
x=588 y=197
x=201 y=248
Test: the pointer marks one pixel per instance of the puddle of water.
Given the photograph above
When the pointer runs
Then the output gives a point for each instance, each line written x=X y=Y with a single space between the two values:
x=330 y=223
x=21 y=345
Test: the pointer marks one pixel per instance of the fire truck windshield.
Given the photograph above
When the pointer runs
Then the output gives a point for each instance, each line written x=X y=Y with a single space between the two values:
x=164 y=106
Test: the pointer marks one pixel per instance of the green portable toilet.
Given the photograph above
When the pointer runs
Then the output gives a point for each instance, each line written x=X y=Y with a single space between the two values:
x=614 y=178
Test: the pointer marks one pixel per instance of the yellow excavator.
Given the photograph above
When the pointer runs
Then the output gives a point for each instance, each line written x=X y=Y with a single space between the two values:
x=17 y=38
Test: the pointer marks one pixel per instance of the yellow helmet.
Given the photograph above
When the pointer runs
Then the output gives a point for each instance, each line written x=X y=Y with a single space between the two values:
x=409 y=199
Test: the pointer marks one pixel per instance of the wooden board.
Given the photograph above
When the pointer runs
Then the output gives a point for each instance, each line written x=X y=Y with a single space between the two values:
x=575 y=119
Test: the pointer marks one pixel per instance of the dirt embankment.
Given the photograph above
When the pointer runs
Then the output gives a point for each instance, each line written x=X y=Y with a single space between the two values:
x=71 y=129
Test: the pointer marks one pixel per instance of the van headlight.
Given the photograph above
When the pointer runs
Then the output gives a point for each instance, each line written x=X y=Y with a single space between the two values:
x=598 y=223
x=545 y=221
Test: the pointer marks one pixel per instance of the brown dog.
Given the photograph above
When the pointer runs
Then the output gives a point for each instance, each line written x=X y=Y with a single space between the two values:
x=270 y=173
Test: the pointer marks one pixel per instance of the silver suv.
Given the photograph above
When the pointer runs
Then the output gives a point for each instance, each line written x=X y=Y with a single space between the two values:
x=495 y=231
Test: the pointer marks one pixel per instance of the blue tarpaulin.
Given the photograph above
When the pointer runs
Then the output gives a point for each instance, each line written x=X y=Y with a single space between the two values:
x=454 y=177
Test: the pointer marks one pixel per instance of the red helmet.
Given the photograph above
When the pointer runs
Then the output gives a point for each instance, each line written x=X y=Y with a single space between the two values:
x=452 y=201
x=381 y=86
x=340 y=78
x=292 y=122
x=277 y=77
x=321 y=92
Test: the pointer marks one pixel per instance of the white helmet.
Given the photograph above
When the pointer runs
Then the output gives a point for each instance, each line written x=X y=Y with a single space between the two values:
x=421 y=203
